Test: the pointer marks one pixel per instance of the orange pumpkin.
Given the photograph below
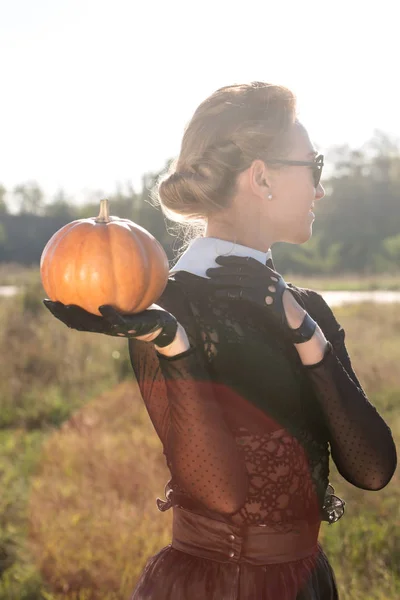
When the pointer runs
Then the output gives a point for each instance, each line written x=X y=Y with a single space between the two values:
x=104 y=260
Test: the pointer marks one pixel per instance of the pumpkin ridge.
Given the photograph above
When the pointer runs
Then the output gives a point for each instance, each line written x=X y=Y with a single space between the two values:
x=49 y=257
x=136 y=239
x=85 y=249
x=151 y=273
x=153 y=289
x=69 y=264
x=108 y=283
x=114 y=263
x=45 y=260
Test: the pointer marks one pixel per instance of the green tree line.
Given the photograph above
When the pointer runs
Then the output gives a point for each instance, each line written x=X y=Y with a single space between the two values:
x=357 y=227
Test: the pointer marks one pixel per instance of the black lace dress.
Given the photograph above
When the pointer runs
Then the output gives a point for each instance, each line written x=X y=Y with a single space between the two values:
x=247 y=432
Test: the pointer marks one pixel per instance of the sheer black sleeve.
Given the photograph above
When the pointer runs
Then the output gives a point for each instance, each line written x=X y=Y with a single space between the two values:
x=362 y=445
x=180 y=398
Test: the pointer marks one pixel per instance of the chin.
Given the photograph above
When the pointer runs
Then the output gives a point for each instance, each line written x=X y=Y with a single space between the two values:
x=301 y=237
x=306 y=237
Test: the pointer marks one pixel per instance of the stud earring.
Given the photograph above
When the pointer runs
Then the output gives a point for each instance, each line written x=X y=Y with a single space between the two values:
x=269 y=196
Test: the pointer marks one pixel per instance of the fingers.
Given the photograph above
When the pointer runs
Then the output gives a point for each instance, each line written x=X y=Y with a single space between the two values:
x=224 y=271
x=234 y=281
x=70 y=315
x=112 y=315
x=55 y=308
x=134 y=325
x=59 y=309
x=149 y=337
x=247 y=262
x=228 y=282
x=232 y=294
x=246 y=266
x=48 y=303
x=65 y=313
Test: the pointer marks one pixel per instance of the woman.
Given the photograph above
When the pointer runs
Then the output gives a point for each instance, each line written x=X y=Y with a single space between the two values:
x=246 y=378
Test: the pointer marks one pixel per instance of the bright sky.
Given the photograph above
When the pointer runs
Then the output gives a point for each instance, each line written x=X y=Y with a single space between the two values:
x=96 y=92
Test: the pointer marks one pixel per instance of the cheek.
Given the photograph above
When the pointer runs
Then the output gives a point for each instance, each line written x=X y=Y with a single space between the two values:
x=286 y=211
x=290 y=208
x=299 y=193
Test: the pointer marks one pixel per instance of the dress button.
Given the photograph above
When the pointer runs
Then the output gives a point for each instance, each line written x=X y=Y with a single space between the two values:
x=231 y=554
x=231 y=537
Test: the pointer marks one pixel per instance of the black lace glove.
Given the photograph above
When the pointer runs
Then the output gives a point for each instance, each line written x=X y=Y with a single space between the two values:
x=245 y=278
x=116 y=324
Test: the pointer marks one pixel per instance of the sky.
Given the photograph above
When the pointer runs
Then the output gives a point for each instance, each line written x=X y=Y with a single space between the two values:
x=96 y=93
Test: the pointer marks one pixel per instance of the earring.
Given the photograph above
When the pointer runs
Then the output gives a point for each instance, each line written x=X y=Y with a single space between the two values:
x=269 y=195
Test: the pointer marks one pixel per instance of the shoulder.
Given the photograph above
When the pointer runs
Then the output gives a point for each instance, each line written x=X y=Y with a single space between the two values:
x=175 y=300
x=182 y=289
x=172 y=297
x=314 y=303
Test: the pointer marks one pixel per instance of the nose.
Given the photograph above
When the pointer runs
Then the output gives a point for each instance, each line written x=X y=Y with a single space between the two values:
x=320 y=192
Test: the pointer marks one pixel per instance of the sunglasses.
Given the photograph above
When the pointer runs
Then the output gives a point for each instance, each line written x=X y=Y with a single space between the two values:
x=316 y=165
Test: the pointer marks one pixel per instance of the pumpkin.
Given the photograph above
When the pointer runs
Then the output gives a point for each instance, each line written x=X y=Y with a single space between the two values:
x=104 y=260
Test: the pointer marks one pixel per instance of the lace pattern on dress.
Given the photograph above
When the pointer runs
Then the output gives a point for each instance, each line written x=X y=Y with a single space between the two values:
x=288 y=468
x=283 y=483
x=281 y=488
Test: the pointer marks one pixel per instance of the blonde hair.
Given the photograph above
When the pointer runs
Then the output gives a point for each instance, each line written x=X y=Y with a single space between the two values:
x=234 y=126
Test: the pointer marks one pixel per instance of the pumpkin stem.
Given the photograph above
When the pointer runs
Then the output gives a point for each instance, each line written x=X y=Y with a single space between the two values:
x=104 y=214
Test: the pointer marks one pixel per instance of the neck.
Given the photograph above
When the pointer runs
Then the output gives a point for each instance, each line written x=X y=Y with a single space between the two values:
x=244 y=236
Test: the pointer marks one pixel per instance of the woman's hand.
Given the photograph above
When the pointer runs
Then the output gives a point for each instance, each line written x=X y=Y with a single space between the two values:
x=151 y=325
x=247 y=279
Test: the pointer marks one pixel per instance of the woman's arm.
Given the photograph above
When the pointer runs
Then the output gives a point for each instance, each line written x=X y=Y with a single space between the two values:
x=362 y=445
x=200 y=449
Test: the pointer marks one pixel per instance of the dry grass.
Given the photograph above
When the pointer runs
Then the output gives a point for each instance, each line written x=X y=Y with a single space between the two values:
x=372 y=339
x=48 y=370
x=93 y=515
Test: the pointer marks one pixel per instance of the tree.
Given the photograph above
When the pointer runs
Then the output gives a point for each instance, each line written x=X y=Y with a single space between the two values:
x=3 y=205
x=29 y=197
x=362 y=207
x=60 y=207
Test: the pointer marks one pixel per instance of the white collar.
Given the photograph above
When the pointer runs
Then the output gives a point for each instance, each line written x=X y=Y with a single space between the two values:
x=202 y=252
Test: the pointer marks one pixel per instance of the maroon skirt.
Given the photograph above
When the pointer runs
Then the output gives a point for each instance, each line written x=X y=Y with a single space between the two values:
x=213 y=560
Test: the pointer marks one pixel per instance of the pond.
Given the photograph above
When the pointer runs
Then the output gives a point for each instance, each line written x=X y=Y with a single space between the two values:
x=8 y=290
x=337 y=298
x=333 y=298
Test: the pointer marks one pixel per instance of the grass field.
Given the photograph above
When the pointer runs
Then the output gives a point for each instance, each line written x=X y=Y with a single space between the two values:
x=81 y=467
x=15 y=274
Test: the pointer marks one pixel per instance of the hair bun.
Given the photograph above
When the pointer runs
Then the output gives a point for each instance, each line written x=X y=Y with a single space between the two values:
x=229 y=130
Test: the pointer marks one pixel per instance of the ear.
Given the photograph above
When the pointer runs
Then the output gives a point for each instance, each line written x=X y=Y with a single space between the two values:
x=259 y=179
